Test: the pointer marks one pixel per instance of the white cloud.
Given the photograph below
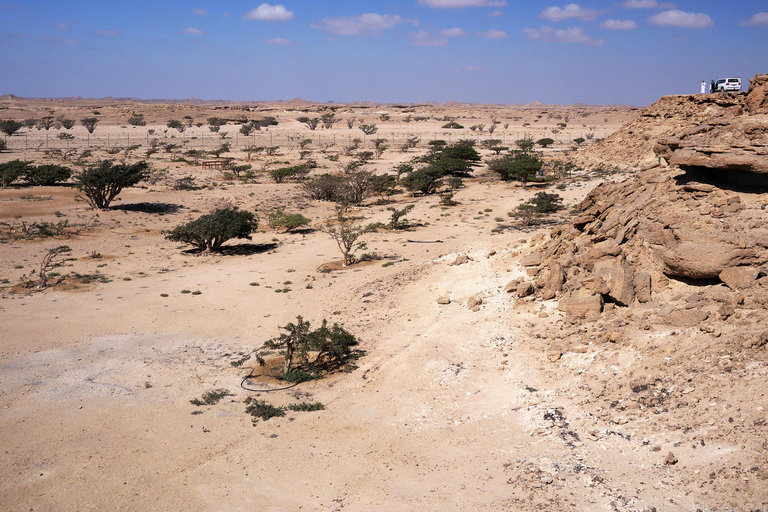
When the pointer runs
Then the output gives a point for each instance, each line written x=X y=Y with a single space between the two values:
x=358 y=25
x=61 y=26
x=569 y=11
x=424 y=38
x=493 y=34
x=281 y=41
x=619 y=24
x=60 y=41
x=107 y=33
x=199 y=12
x=677 y=18
x=266 y=12
x=453 y=32
x=646 y=4
x=470 y=69
x=460 y=4
x=759 y=19
x=194 y=31
x=568 y=35
x=496 y=14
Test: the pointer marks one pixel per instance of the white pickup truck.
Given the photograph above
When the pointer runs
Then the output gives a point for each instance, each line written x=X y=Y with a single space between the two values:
x=728 y=84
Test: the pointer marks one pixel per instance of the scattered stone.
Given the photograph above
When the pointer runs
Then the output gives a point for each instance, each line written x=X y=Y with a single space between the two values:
x=581 y=303
x=525 y=289
x=474 y=302
x=512 y=285
x=683 y=317
x=461 y=259
x=642 y=283
x=532 y=260
x=443 y=300
x=670 y=459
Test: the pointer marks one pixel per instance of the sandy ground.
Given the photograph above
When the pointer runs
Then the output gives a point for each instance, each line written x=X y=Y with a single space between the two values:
x=450 y=409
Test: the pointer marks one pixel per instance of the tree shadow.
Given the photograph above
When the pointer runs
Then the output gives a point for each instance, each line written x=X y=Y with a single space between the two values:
x=245 y=249
x=159 y=208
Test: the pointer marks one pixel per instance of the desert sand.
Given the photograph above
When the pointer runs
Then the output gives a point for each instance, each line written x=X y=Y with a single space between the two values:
x=451 y=408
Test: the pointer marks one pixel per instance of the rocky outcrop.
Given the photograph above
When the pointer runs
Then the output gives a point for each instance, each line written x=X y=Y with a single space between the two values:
x=757 y=99
x=631 y=237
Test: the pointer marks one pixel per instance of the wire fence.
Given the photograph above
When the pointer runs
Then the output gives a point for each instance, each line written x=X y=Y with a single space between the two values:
x=205 y=140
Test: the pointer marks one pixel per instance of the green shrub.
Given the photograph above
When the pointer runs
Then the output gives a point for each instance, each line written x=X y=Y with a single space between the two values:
x=326 y=187
x=461 y=150
x=211 y=397
x=261 y=410
x=47 y=175
x=518 y=166
x=453 y=125
x=545 y=142
x=287 y=221
x=208 y=232
x=307 y=407
x=10 y=126
x=103 y=182
x=425 y=180
x=11 y=171
x=283 y=173
x=3 y=145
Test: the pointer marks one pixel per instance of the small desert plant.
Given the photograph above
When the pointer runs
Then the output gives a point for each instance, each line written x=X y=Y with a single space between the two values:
x=215 y=123
x=208 y=232
x=138 y=120
x=347 y=233
x=67 y=124
x=326 y=187
x=49 y=262
x=283 y=173
x=261 y=410
x=453 y=125
x=211 y=397
x=579 y=140
x=426 y=180
x=397 y=218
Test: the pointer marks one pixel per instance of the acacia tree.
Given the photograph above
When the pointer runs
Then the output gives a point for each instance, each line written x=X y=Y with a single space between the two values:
x=208 y=232
x=89 y=123
x=10 y=126
x=310 y=122
x=368 y=129
x=103 y=182
x=518 y=166
x=346 y=233
x=178 y=125
x=328 y=119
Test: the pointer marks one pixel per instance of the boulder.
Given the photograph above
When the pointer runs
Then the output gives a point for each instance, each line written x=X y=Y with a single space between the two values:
x=618 y=276
x=704 y=260
x=551 y=281
x=525 y=289
x=739 y=277
x=512 y=285
x=443 y=300
x=683 y=317
x=642 y=284
x=581 y=303
x=757 y=99
x=532 y=260
x=461 y=259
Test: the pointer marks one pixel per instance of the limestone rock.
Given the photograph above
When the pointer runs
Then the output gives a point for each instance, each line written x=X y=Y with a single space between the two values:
x=443 y=300
x=581 y=303
x=618 y=276
x=703 y=260
x=642 y=284
x=525 y=289
x=739 y=277
x=512 y=285
x=474 y=302
x=461 y=259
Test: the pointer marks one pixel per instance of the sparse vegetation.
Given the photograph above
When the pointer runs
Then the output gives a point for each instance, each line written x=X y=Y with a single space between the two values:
x=103 y=182
x=211 y=397
x=208 y=232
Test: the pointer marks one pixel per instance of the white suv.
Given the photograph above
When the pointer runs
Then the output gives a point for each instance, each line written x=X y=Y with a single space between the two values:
x=728 y=84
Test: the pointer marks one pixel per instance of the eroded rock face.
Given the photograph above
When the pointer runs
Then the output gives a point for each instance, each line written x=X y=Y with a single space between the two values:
x=635 y=235
x=757 y=99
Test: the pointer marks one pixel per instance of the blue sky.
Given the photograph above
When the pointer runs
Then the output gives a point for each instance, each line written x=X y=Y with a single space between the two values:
x=484 y=51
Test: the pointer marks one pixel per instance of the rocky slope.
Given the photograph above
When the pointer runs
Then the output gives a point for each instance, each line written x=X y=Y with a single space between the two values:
x=706 y=116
